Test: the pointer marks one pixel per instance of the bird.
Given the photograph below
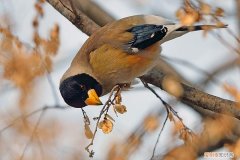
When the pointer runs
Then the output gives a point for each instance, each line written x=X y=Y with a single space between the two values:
x=117 y=53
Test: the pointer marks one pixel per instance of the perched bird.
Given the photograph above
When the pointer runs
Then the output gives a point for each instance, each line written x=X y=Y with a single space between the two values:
x=116 y=54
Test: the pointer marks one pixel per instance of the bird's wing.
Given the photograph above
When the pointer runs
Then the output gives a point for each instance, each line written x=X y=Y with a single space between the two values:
x=145 y=35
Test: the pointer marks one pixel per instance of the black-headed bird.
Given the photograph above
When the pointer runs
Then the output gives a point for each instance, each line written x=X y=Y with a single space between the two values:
x=115 y=54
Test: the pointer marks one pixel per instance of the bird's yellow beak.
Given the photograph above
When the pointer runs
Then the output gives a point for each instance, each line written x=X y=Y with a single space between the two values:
x=93 y=98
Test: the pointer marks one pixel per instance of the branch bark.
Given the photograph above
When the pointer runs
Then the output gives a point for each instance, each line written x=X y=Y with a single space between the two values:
x=194 y=96
x=238 y=15
x=94 y=11
x=81 y=21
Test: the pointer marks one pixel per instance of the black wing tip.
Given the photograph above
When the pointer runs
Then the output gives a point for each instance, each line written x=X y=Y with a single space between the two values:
x=146 y=35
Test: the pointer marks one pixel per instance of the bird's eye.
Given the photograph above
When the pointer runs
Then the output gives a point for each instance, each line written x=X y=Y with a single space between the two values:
x=82 y=87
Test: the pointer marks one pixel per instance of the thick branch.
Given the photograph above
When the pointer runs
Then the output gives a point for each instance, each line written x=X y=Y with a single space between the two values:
x=196 y=97
x=238 y=15
x=93 y=11
x=80 y=20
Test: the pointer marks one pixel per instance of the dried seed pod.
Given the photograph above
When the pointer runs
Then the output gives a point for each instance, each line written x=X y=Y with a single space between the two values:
x=120 y=108
x=106 y=126
x=205 y=8
x=219 y=12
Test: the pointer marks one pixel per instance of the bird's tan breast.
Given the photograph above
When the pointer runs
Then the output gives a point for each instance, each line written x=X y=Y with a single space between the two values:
x=113 y=66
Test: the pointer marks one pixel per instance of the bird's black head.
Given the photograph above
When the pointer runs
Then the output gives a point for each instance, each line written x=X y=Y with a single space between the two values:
x=81 y=90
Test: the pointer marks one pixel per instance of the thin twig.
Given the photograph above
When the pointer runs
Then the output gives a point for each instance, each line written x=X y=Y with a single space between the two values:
x=168 y=109
x=53 y=88
x=192 y=66
x=99 y=118
x=224 y=42
x=32 y=135
x=30 y=114
x=159 y=134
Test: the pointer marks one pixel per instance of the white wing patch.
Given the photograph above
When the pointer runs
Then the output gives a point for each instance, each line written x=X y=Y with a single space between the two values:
x=135 y=50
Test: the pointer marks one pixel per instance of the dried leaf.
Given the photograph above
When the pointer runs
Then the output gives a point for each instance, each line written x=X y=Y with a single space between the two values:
x=219 y=12
x=106 y=126
x=220 y=24
x=184 y=135
x=205 y=8
x=179 y=125
x=88 y=132
x=120 y=108
x=172 y=86
x=232 y=91
x=151 y=123
x=171 y=117
x=39 y=9
x=118 y=99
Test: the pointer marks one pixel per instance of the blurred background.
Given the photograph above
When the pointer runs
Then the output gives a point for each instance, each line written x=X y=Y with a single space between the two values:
x=58 y=133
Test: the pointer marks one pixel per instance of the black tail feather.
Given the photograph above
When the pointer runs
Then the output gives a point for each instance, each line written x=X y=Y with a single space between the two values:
x=200 y=27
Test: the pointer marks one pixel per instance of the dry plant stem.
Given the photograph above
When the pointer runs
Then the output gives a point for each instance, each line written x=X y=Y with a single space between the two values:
x=159 y=135
x=80 y=20
x=31 y=114
x=33 y=132
x=223 y=68
x=192 y=66
x=169 y=108
x=53 y=89
x=225 y=43
x=106 y=105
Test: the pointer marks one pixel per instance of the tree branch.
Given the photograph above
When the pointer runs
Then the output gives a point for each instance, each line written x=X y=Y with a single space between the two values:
x=80 y=20
x=195 y=97
x=93 y=11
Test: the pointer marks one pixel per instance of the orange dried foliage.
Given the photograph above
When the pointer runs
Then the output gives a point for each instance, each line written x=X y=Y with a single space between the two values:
x=233 y=91
x=188 y=15
x=120 y=108
x=172 y=86
x=88 y=132
x=205 y=8
x=122 y=151
x=219 y=12
x=106 y=126
x=115 y=153
x=214 y=131
x=151 y=123
x=235 y=148
x=22 y=65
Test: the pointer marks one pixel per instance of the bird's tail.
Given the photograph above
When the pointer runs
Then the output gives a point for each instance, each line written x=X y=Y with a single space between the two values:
x=200 y=27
